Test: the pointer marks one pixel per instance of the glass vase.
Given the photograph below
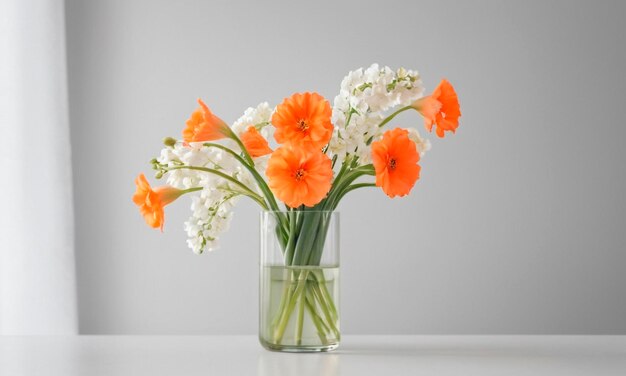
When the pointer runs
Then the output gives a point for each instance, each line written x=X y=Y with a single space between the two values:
x=299 y=281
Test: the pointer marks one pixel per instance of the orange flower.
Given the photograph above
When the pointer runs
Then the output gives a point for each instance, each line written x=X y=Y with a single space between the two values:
x=203 y=125
x=254 y=143
x=303 y=120
x=152 y=201
x=441 y=108
x=299 y=175
x=395 y=160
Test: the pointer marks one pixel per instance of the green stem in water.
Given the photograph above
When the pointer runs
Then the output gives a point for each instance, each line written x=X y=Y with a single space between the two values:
x=322 y=329
x=300 y=320
x=324 y=308
x=285 y=297
x=282 y=325
x=321 y=285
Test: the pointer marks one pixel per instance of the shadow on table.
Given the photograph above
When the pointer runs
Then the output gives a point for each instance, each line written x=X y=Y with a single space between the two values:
x=493 y=348
x=374 y=356
x=285 y=364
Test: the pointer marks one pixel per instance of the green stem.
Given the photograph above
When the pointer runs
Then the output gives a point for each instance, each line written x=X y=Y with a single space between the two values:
x=393 y=115
x=344 y=167
x=324 y=308
x=300 y=321
x=250 y=192
x=260 y=202
x=333 y=199
x=295 y=228
x=353 y=187
x=317 y=321
x=194 y=189
x=321 y=285
x=311 y=300
x=349 y=117
x=306 y=238
x=248 y=164
x=234 y=137
x=285 y=297
x=289 y=249
x=317 y=247
x=282 y=325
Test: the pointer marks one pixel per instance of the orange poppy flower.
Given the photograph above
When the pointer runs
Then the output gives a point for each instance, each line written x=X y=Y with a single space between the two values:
x=152 y=201
x=441 y=108
x=395 y=160
x=299 y=176
x=254 y=143
x=303 y=120
x=203 y=125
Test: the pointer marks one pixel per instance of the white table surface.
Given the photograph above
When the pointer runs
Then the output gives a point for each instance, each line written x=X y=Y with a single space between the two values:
x=358 y=355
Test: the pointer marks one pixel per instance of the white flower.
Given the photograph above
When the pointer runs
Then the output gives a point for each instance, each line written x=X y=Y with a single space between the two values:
x=423 y=144
x=258 y=116
x=212 y=208
x=211 y=216
x=359 y=108
x=196 y=155
x=174 y=157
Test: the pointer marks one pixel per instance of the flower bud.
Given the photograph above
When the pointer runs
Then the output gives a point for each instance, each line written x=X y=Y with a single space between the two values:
x=169 y=141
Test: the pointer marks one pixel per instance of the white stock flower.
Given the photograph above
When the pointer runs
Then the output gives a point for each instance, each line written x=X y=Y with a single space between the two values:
x=257 y=116
x=196 y=155
x=212 y=208
x=260 y=117
x=364 y=96
x=211 y=216
x=423 y=144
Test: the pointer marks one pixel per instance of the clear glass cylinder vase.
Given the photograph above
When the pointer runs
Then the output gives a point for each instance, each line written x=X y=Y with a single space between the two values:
x=299 y=281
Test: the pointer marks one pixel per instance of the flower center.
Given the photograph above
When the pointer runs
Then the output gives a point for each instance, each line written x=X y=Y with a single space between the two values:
x=299 y=174
x=302 y=125
x=392 y=164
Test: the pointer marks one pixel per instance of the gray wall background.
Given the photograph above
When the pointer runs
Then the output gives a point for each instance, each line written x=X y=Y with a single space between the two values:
x=517 y=225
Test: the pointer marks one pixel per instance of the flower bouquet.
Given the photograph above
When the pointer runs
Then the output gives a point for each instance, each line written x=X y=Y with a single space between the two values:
x=318 y=155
